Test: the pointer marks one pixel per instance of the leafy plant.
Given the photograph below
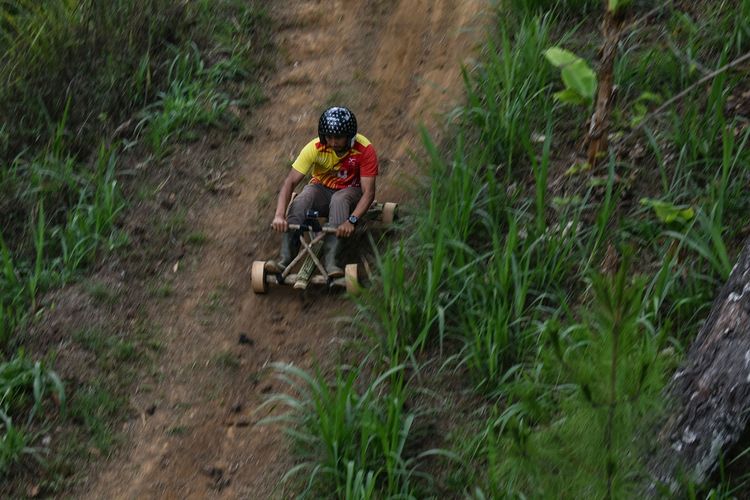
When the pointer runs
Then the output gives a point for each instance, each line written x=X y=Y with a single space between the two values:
x=669 y=212
x=507 y=94
x=577 y=75
x=706 y=239
x=14 y=445
x=640 y=107
x=349 y=439
x=24 y=383
x=191 y=99
x=567 y=364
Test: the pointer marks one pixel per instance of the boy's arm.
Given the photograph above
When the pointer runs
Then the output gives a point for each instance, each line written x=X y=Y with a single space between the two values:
x=368 y=196
x=346 y=228
x=285 y=193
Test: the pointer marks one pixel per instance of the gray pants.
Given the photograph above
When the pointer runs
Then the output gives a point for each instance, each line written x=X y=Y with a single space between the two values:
x=335 y=204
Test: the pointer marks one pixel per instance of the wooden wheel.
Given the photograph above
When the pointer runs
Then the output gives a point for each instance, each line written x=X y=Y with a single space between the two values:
x=351 y=277
x=389 y=213
x=258 y=277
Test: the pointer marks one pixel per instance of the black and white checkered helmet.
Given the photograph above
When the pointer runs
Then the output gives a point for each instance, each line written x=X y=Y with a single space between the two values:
x=337 y=121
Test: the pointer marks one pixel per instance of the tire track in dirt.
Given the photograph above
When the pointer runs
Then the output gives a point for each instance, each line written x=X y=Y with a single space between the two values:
x=395 y=63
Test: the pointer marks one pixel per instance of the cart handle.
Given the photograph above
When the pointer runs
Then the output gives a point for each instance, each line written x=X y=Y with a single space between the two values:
x=307 y=227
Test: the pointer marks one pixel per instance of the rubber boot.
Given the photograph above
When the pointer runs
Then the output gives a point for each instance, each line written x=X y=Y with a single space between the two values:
x=332 y=245
x=289 y=249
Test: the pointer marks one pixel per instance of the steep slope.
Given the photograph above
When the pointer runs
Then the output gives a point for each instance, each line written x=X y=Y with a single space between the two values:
x=396 y=63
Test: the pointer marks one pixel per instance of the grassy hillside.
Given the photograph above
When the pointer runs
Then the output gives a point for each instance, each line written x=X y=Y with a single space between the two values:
x=526 y=321
x=88 y=90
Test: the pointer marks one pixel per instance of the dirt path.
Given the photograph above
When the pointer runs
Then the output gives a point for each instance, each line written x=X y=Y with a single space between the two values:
x=395 y=63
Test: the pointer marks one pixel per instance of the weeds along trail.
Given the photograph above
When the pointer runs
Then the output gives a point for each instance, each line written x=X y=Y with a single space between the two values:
x=396 y=63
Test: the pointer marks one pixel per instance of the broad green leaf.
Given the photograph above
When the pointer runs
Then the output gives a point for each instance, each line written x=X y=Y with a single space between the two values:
x=581 y=78
x=560 y=57
x=569 y=96
x=669 y=212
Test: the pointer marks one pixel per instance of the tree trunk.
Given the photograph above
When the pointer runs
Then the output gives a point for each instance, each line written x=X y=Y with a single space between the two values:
x=599 y=127
x=710 y=393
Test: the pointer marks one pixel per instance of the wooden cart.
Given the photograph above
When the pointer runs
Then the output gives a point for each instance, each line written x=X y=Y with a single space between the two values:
x=306 y=268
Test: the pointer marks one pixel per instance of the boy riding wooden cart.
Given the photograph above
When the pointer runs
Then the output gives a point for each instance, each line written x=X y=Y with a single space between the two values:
x=343 y=168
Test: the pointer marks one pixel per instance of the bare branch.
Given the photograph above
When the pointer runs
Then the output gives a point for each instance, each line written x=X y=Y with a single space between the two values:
x=685 y=92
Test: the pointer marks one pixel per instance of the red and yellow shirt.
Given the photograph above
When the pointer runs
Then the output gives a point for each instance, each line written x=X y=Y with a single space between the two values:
x=337 y=172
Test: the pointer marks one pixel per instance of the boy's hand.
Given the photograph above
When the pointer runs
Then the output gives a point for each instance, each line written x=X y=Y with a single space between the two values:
x=280 y=224
x=345 y=230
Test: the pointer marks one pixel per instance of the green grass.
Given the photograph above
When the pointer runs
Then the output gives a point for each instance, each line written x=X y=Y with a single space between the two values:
x=226 y=360
x=76 y=72
x=59 y=244
x=117 y=353
x=25 y=389
x=161 y=290
x=174 y=224
x=102 y=293
x=197 y=238
x=573 y=427
x=507 y=93
x=348 y=435
x=15 y=445
x=96 y=408
x=560 y=336
x=192 y=98
x=527 y=8
x=125 y=51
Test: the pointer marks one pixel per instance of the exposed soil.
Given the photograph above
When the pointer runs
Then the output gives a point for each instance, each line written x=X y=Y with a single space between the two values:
x=396 y=63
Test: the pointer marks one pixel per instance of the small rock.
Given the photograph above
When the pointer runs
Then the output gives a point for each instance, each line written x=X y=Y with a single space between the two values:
x=168 y=201
x=245 y=340
x=279 y=331
x=277 y=317
x=236 y=407
x=213 y=472
x=151 y=410
x=266 y=389
x=33 y=491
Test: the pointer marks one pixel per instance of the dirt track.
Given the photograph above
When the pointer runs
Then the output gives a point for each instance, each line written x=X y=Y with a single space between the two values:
x=396 y=64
